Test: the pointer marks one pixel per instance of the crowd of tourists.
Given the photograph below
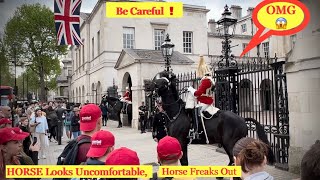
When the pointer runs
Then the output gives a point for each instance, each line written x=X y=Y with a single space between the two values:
x=27 y=142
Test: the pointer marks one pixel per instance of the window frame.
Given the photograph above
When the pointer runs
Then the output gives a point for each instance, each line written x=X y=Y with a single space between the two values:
x=127 y=42
x=187 y=49
x=266 y=46
x=243 y=28
x=156 y=39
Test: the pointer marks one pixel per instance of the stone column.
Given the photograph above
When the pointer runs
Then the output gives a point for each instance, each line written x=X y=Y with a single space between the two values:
x=136 y=102
x=303 y=75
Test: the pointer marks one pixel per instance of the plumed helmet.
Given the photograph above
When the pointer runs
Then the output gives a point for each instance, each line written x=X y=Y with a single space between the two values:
x=203 y=69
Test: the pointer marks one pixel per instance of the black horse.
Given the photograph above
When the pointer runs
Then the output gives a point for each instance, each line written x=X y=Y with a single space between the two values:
x=225 y=128
x=115 y=107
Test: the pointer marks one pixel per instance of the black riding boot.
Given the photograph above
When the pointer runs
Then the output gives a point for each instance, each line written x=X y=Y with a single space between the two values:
x=120 y=123
x=196 y=122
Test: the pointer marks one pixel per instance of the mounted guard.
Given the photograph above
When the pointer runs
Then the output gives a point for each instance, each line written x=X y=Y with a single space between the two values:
x=204 y=95
x=126 y=99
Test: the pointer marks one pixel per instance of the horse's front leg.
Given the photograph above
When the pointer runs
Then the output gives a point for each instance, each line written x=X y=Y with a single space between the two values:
x=120 y=123
x=184 y=159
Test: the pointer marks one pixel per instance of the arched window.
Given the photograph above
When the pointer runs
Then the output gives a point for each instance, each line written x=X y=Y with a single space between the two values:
x=266 y=94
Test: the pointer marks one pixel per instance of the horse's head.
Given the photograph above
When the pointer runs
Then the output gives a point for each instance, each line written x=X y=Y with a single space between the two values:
x=164 y=83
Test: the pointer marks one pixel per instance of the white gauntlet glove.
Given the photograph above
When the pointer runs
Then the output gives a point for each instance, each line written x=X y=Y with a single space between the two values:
x=192 y=90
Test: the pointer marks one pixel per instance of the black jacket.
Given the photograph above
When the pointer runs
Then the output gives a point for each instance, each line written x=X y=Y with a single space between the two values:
x=52 y=118
x=75 y=125
x=159 y=128
x=26 y=141
x=144 y=109
x=60 y=111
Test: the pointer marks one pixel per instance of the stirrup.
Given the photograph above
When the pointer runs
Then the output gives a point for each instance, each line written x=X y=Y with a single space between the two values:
x=191 y=135
x=197 y=135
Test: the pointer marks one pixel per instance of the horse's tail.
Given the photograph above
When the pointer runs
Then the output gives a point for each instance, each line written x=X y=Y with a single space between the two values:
x=264 y=138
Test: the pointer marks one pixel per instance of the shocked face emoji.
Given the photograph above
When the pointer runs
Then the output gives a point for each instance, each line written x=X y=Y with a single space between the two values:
x=281 y=23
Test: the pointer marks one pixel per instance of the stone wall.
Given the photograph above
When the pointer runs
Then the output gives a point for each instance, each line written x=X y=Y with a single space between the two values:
x=303 y=75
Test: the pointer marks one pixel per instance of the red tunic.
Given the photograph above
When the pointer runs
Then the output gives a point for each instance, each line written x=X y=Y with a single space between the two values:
x=126 y=96
x=201 y=91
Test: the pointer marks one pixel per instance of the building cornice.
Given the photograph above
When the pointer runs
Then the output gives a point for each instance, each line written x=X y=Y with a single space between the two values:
x=186 y=7
x=159 y=24
x=195 y=8
x=236 y=36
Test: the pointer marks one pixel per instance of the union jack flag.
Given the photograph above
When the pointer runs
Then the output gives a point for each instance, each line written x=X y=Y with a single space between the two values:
x=67 y=21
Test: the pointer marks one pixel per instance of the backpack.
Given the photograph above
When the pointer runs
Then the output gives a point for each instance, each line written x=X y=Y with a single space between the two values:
x=155 y=177
x=69 y=116
x=70 y=152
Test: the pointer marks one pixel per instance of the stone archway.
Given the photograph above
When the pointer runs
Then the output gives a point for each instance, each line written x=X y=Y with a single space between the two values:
x=92 y=93
x=99 y=92
x=266 y=94
x=73 y=96
x=80 y=95
x=127 y=82
x=246 y=95
x=77 y=95
x=83 y=94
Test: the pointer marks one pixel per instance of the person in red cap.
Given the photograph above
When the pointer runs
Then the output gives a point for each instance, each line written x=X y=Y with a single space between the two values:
x=102 y=143
x=90 y=123
x=10 y=148
x=32 y=157
x=123 y=156
x=5 y=123
x=169 y=153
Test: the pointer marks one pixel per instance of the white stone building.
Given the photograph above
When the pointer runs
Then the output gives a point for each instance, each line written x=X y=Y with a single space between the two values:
x=64 y=79
x=104 y=39
x=97 y=65
x=303 y=75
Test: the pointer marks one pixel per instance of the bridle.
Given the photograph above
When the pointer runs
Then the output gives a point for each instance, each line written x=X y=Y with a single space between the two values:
x=171 y=120
x=115 y=103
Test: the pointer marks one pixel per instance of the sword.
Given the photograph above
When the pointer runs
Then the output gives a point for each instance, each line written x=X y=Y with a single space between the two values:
x=204 y=129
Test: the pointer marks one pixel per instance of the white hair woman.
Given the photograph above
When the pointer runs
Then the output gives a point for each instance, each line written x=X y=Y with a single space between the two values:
x=40 y=121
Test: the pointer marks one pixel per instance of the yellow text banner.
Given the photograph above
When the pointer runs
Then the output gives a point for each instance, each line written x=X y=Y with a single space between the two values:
x=101 y=171
x=144 y=9
x=199 y=171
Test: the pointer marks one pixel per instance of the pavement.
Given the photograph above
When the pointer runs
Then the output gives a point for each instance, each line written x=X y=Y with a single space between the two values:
x=144 y=145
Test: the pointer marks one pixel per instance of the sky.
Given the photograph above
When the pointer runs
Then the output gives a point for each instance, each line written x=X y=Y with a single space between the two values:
x=8 y=7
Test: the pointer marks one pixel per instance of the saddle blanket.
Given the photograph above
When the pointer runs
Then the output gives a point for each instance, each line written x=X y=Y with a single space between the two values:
x=211 y=109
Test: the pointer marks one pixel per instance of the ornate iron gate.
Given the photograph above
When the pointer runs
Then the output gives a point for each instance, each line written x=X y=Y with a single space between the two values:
x=256 y=89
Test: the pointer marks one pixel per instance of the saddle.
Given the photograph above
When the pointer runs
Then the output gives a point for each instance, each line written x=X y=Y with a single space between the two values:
x=209 y=112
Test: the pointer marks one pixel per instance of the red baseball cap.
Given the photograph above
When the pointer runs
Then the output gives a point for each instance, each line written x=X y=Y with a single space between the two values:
x=9 y=134
x=169 y=148
x=100 y=142
x=5 y=121
x=89 y=115
x=123 y=156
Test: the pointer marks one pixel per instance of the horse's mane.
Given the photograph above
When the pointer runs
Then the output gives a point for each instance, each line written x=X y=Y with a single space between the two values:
x=173 y=85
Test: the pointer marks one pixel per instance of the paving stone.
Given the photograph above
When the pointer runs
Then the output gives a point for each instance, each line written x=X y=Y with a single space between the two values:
x=144 y=145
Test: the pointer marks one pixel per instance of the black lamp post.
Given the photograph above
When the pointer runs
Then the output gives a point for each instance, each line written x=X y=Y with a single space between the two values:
x=226 y=26
x=226 y=81
x=167 y=51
